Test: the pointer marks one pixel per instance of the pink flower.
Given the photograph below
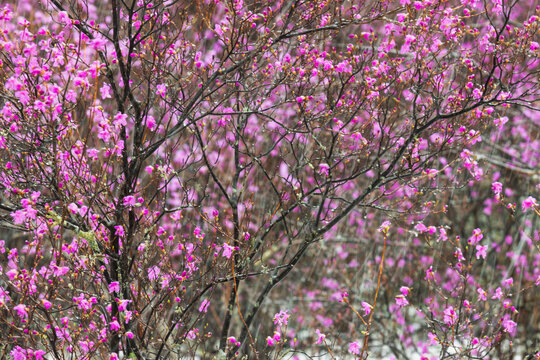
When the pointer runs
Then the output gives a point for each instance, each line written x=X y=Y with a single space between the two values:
x=474 y=136
x=114 y=287
x=443 y=236
x=98 y=43
x=481 y=294
x=534 y=46
x=61 y=271
x=401 y=301
x=281 y=318
x=19 y=216
x=18 y=353
x=270 y=341
x=324 y=169
x=83 y=210
x=123 y=304
x=320 y=336
x=459 y=254
x=354 y=348
x=500 y=121
x=130 y=201
x=509 y=326
x=82 y=303
x=73 y=208
x=496 y=187
x=4 y=296
x=343 y=66
x=38 y=354
x=450 y=316
x=498 y=294
x=105 y=91
x=161 y=90
x=22 y=311
x=119 y=230
x=420 y=227
x=120 y=120
x=129 y=315
x=410 y=39
x=204 y=306
x=192 y=334
x=367 y=308
x=528 y=203
x=153 y=273
x=404 y=290
x=401 y=17
x=481 y=251
x=227 y=250
x=476 y=237
x=507 y=283
x=150 y=122
x=385 y=226
x=46 y=304
x=432 y=339
x=115 y=326
x=63 y=18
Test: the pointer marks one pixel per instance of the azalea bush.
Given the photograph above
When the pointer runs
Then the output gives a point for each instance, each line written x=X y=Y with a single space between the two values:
x=269 y=179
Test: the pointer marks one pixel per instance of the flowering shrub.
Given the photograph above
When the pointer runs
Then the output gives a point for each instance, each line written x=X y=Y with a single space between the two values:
x=230 y=179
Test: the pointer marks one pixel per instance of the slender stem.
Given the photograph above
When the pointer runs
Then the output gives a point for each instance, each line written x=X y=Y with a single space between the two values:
x=356 y=312
x=366 y=335
x=329 y=351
